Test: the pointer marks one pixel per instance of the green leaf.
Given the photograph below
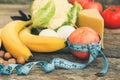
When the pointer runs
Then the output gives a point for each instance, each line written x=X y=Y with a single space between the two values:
x=43 y=15
x=72 y=15
x=74 y=12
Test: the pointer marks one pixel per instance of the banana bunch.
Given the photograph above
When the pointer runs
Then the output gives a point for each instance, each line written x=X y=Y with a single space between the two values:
x=11 y=41
x=18 y=40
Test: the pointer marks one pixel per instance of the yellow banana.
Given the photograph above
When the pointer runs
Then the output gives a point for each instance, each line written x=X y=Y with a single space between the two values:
x=41 y=43
x=11 y=40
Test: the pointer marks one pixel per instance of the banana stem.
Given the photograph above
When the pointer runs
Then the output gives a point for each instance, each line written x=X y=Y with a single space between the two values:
x=30 y=27
x=29 y=22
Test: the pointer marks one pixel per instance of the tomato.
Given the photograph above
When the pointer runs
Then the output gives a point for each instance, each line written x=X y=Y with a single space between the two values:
x=82 y=2
x=95 y=5
x=87 y=4
x=83 y=35
x=111 y=16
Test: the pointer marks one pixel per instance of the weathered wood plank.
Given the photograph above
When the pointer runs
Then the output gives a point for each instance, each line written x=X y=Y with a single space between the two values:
x=7 y=10
x=61 y=74
x=112 y=42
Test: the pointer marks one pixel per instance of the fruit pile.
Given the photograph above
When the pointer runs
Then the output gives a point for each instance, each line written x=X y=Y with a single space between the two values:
x=55 y=25
x=17 y=37
x=18 y=40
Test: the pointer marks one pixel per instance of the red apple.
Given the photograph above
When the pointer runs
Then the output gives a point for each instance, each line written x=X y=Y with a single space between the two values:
x=95 y=5
x=81 y=2
x=83 y=35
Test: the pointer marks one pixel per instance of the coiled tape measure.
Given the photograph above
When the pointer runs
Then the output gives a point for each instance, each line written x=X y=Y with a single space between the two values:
x=93 y=48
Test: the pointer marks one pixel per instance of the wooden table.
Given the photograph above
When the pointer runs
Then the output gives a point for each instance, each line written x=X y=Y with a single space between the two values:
x=112 y=51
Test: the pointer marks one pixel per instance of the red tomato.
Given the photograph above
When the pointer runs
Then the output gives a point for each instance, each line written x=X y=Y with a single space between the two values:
x=95 y=5
x=111 y=17
x=87 y=4
x=83 y=35
x=82 y=2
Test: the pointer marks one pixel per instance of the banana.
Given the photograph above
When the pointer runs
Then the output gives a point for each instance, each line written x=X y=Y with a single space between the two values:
x=11 y=40
x=41 y=43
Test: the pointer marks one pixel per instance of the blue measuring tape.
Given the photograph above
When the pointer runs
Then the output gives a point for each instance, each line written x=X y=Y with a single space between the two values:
x=93 y=48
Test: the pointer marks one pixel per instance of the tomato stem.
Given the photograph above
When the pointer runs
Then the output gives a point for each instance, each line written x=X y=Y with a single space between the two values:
x=113 y=10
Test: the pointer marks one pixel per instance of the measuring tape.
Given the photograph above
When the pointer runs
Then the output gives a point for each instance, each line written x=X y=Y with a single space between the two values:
x=93 y=48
